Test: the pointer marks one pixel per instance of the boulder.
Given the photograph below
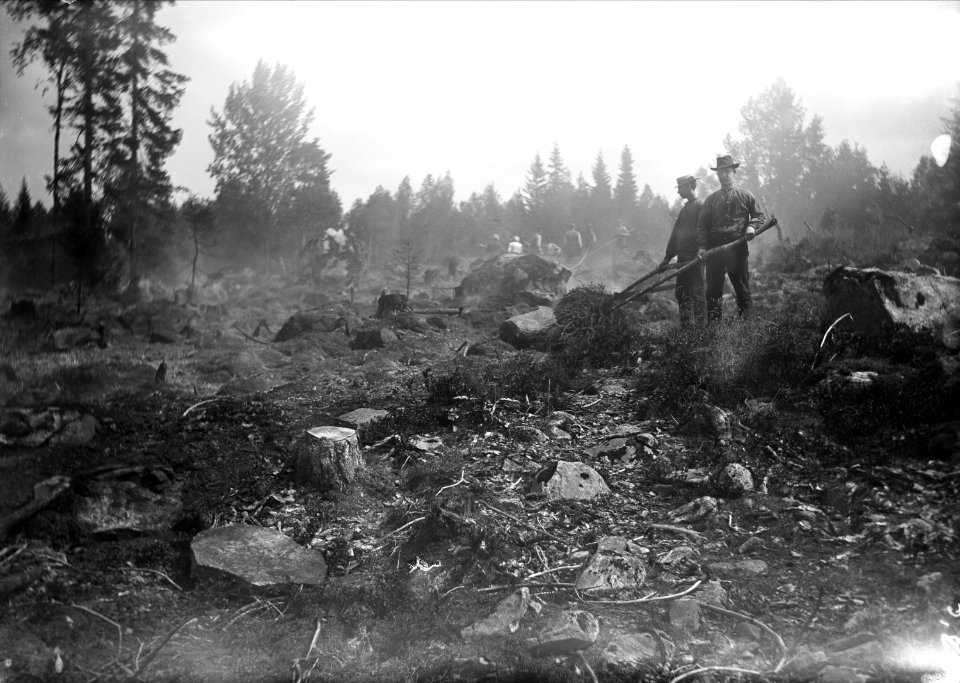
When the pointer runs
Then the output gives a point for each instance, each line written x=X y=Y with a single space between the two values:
x=878 y=301
x=614 y=568
x=733 y=481
x=566 y=633
x=507 y=274
x=307 y=322
x=257 y=555
x=570 y=481
x=529 y=330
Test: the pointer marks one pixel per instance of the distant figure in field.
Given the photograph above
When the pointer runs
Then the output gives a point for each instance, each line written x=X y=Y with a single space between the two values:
x=537 y=243
x=572 y=242
x=515 y=246
x=727 y=215
x=683 y=245
x=494 y=247
x=590 y=242
x=623 y=239
x=874 y=216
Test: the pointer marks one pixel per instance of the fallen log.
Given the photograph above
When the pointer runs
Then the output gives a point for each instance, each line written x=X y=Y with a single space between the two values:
x=44 y=493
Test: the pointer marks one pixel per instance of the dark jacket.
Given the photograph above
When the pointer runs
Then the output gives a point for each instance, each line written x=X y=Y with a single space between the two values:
x=683 y=239
x=725 y=216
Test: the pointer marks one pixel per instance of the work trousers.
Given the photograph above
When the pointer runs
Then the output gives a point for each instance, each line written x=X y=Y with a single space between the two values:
x=689 y=291
x=731 y=263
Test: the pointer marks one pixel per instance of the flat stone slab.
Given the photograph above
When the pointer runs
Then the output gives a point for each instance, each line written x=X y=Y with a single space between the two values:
x=629 y=650
x=364 y=416
x=568 y=632
x=259 y=556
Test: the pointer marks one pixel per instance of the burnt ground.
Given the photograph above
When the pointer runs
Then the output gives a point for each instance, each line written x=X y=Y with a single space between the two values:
x=855 y=512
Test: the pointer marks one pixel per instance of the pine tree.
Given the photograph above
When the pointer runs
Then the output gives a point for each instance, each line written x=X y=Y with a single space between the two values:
x=139 y=186
x=558 y=176
x=625 y=193
x=23 y=210
x=51 y=42
x=601 y=180
x=534 y=190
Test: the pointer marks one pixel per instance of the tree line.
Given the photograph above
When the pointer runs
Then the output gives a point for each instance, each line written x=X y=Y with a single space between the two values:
x=111 y=94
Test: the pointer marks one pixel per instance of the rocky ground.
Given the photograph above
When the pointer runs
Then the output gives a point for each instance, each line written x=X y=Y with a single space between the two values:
x=800 y=528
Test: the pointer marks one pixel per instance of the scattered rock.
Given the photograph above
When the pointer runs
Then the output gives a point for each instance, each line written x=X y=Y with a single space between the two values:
x=629 y=650
x=616 y=448
x=738 y=570
x=614 y=568
x=257 y=555
x=697 y=510
x=529 y=434
x=567 y=633
x=752 y=544
x=529 y=330
x=163 y=333
x=685 y=616
x=570 y=481
x=716 y=422
x=505 y=617
x=807 y=663
x=711 y=593
x=733 y=481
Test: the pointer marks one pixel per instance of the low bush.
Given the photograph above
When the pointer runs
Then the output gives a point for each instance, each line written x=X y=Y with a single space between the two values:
x=773 y=347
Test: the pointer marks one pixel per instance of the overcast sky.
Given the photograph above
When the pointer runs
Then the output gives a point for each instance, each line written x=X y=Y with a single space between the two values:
x=478 y=88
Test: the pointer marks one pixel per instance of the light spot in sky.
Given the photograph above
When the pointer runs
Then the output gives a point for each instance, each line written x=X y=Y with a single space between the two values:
x=941 y=149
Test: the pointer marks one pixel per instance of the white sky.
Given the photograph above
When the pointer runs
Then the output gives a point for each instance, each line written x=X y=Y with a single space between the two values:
x=477 y=88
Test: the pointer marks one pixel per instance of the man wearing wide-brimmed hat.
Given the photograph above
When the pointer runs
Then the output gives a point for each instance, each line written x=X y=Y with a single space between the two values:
x=683 y=245
x=727 y=215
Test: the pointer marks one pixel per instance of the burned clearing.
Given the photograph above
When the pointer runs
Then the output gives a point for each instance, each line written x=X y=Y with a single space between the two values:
x=620 y=497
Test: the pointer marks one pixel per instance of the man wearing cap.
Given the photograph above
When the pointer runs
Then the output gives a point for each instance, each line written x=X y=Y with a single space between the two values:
x=727 y=215
x=683 y=245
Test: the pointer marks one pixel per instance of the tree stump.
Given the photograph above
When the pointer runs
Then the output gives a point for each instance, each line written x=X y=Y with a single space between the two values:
x=328 y=458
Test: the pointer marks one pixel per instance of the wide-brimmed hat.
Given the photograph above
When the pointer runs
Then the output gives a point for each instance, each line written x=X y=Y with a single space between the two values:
x=685 y=179
x=725 y=161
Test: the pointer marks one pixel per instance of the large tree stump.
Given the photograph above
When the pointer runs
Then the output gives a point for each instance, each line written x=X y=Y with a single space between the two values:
x=328 y=458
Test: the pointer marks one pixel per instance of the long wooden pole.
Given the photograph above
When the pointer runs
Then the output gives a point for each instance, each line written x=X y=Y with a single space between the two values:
x=690 y=264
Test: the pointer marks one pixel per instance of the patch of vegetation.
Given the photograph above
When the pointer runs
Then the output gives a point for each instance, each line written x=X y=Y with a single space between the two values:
x=863 y=248
x=772 y=347
x=523 y=376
